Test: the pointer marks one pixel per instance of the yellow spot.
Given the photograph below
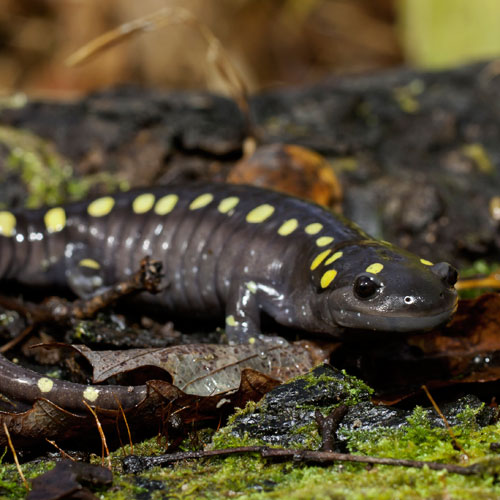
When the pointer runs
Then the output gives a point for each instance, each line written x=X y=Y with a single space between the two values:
x=328 y=277
x=260 y=213
x=93 y=264
x=91 y=394
x=314 y=228
x=45 y=384
x=426 y=262
x=101 y=206
x=7 y=223
x=333 y=258
x=143 y=203
x=252 y=286
x=323 y=241
x=319 y=259
x=55 y=219
x=202 y=201
x=166 y=204
x=227 y=204
x=288 y=227
x=252 y=340
x=374 y=268
x=230 y=321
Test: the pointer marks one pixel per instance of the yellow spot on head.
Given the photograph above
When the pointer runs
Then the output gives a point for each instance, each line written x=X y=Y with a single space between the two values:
x=313 y=228
x=93 y=264
x=143 y=203
x=426 y=262
x=252 y=340
x=101 y=206
x=323 y=241
x=252 y=286
x=201 y=201
x=319 y=259
x=227 y=204
x=55 y=219
x=230 y=321
x=7 y=223
x=260 y=213
x=328 y=277
x=288 y=227
x=374 y=268
x=91 y=393
x=45 y=384
x=333 y=258
x=166 y=204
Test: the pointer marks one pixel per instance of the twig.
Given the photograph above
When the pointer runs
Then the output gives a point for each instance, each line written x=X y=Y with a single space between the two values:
x=456 y=444
x=328 y=426
x=168 y=16
x=140 y=463
x=126 y=425
x=19 y=338
x=14 y=454
x=103 y=437
x=60 y=450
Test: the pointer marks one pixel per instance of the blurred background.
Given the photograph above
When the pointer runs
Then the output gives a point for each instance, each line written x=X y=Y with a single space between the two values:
x=271 y=42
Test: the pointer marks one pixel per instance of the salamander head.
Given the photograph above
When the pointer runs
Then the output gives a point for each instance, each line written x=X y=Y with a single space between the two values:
x=393 y=291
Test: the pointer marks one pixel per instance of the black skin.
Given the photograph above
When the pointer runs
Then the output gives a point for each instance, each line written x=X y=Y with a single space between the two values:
x=223 y=263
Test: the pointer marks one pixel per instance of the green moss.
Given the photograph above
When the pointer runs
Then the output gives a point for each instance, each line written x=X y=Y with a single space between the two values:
x=48 y=177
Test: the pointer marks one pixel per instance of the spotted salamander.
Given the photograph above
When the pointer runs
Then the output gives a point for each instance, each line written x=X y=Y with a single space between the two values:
x=233 y=252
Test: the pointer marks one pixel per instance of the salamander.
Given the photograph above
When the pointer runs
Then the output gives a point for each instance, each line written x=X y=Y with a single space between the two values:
x=233 y=252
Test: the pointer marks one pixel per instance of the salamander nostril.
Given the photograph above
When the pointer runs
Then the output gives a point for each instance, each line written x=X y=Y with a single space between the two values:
x=446 y=272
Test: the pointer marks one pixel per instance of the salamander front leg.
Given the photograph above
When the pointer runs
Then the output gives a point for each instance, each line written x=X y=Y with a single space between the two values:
x=243 y=316
x=243 y=313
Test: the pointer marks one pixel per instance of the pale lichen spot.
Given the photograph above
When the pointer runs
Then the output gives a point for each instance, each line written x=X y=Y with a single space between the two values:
x=288 y=227
x=313 y=228
x=101 y=206
x=374 y=268
x=91 y=394
x=45 y=384
x=7 y=223
x=201 y=201
x=166 y=204
x=334 y=257
x=426 y=262
x=251 y=286
x=143 y=203
x=260 y=213
x=227 y=204
x=328 y=277
x=319 y=259
x=91 y=263
x=55 y=219
x=323 y=241
x=230 y=321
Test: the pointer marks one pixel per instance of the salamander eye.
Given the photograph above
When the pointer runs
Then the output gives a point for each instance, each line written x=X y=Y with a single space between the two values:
x=365 y=286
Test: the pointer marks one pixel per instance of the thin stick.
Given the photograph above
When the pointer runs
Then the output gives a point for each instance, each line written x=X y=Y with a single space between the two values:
x=14 y=454
x=126 y=425
x=60 y=450
x=103 y=437
x=456 y=444
x=490 y=281
x=216 y=54
x=304 y=455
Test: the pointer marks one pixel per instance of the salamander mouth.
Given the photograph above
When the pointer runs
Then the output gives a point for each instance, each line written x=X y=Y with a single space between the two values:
x=386 y=322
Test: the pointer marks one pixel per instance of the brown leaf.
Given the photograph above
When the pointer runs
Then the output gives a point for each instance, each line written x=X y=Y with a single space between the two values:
x=292 y=169
x=204 y=369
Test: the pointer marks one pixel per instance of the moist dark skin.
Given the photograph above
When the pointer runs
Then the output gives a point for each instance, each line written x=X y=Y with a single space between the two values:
x=231 y=252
